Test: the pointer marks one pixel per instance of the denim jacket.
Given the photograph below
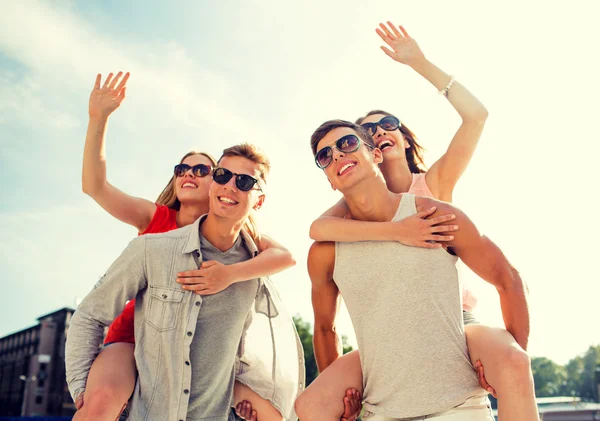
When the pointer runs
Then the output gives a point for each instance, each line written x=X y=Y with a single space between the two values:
x=270 y=357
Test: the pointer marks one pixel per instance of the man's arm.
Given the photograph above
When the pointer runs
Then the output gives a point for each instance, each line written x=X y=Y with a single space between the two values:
x=326 y=303
x=125 y=277
x=484 y=258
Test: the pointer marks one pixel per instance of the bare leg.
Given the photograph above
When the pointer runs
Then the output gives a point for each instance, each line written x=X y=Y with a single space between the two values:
x=254 y=404
x=507 y=369
x=109 y=385
x=323 y=400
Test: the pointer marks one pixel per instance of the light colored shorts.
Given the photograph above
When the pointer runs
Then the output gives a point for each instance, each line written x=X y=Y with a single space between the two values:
x=475 y=408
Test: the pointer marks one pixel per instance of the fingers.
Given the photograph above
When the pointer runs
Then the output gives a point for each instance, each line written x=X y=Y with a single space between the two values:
x=387 y=31
x=442 y=238
x=386 y=50
x=404 y=31
x=394 y=30
x=384 y=37
x=97 y=82
x=107 y=81
x=190 y=274
x=123 y=82
x=115 y=80
x=209 y=263
x=190 y=280
x=441 y=218
x=425 y=213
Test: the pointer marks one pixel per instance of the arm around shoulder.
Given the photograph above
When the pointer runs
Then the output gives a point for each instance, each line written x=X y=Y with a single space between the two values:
x=486 y=259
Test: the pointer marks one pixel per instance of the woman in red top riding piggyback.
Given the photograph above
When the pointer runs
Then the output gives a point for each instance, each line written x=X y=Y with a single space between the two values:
x=112 y=377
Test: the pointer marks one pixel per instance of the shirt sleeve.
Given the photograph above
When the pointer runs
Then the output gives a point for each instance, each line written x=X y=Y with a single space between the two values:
x=159 y=221
x=123 y=280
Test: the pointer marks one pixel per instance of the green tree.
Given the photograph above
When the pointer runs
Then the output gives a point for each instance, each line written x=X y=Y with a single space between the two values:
x=306 y=337
x=548 y=376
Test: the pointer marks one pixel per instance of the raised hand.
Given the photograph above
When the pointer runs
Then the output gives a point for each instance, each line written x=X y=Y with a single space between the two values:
x=104 y=100
x=404 y=49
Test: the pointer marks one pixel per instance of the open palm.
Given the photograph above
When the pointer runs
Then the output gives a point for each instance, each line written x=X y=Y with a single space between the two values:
x=404 y=49
x=104 y=100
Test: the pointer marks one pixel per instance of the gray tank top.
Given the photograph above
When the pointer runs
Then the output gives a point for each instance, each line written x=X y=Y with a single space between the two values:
x=405 y=305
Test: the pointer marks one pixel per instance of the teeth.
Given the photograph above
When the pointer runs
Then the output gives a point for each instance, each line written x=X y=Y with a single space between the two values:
x=189 y=185
x=345 y=167
x=227 y=200
x=385 y=144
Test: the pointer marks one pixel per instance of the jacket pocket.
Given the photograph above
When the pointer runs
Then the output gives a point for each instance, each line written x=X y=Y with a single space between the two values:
x=163 y=309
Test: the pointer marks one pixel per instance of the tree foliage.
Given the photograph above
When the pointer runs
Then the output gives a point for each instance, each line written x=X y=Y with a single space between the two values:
x=306 y=337
x=579 y=377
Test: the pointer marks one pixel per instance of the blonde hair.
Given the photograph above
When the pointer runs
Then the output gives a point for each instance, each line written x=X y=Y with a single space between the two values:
x=254 y=154
x=168 y=197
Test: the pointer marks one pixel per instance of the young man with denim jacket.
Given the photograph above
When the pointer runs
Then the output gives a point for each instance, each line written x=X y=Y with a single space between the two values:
x=187 y=344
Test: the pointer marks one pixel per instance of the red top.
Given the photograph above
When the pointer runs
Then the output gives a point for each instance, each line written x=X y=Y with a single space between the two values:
x=122 y=328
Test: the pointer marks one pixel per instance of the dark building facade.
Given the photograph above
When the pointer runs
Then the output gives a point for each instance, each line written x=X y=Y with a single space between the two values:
x=32 y=369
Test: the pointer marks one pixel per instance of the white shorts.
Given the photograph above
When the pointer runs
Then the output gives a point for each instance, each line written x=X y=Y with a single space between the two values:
x=475 y=408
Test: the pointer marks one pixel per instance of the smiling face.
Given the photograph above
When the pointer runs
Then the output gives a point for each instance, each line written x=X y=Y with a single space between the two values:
x=391 y=143
x=188 y=187
x=347 y=170
x=227 y=200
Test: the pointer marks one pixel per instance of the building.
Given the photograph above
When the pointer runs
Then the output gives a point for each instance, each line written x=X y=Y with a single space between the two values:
x=32 y=369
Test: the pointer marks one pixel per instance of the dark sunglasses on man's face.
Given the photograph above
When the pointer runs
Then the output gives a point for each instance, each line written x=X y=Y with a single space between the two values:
x=199 y=170
x=345 y=144
x=244 y=182
x=388 y=123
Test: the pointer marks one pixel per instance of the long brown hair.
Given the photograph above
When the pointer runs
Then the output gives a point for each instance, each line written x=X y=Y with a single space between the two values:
x=254 y=154
x=168 y=196
x=414 y=154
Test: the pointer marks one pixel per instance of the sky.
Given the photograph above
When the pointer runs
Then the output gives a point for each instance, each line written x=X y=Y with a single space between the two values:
x=206 y=75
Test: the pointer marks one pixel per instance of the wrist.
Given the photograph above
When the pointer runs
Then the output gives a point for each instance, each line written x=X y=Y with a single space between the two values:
x=420 y=65
x=98 y=118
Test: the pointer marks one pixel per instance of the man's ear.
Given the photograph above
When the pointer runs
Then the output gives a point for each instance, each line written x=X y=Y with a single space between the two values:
x=259 y=202
x=377 y=156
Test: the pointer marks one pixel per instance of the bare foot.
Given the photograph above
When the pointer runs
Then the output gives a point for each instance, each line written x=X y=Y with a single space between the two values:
x=244 y=411
x=352 y=405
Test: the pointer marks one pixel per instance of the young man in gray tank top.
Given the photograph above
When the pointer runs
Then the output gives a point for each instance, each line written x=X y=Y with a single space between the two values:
x=186 y=344
x=405 y=302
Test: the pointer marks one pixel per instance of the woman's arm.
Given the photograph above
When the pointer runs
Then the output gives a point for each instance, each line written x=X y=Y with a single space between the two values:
x=214 y=277
x=129 y=209
x=445 y=173
x=414 y=230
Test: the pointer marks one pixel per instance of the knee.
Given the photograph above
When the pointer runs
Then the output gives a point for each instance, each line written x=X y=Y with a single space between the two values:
x=517 y=363
x=101 y=402
x=300 y=405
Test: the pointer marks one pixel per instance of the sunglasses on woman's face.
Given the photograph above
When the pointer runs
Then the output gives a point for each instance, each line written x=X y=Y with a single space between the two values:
x=346 y=144
x=244 y=182
x=388 y=123
x=199 y=170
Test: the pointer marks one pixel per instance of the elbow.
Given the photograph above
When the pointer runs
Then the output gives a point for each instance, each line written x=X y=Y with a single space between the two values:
x=314 y=231
x=290 y=260
x=477 y=117
x=510 y=282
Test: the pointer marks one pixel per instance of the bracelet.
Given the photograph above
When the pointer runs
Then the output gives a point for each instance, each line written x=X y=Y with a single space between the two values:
x=448 y=86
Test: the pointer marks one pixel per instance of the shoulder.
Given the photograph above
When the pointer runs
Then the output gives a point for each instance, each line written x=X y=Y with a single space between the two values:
x=164 y=219
x=321 y=260
x=175 y=234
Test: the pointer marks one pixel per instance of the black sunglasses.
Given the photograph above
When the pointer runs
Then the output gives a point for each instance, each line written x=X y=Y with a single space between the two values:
x=388 y=123
x=199 y=170
x=244 y=182
x=345 y=144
